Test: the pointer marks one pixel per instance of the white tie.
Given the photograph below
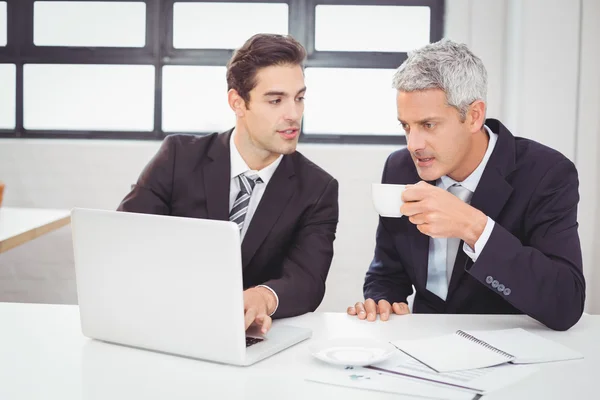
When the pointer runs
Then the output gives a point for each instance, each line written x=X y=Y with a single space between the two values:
x=452 y=244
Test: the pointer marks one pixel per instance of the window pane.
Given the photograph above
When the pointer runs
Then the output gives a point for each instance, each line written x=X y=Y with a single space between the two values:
x=225 y=25
x=3 y=32
x=89 y=97
x=89 y=24
x=350 y=101
x=195 y=100
x=371 y=28
x=8 y=85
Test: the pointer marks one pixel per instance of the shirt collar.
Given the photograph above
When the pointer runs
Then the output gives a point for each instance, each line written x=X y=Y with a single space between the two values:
x=472 y=180
x=239 y=166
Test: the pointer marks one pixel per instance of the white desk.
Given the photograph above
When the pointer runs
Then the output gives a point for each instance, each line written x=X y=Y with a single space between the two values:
x=20 y=225
x=44 y=356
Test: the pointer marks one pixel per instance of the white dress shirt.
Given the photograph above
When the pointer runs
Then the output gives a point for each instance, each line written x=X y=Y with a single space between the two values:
x=437 y=280
x=239 y=166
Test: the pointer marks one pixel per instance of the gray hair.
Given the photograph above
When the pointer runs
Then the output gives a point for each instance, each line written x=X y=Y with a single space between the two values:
x=448 y=66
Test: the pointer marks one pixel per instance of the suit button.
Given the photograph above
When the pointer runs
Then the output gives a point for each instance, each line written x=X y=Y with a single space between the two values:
x=495 y=284
x=506 y=291
x=500 y=287
x=489 y=279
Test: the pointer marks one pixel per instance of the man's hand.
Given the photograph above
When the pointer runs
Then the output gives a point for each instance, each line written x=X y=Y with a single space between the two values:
x=259 y=303
x=439 y=214
x=369 y=309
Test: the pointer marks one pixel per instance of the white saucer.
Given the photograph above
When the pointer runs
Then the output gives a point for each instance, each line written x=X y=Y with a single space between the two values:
x=352 y=351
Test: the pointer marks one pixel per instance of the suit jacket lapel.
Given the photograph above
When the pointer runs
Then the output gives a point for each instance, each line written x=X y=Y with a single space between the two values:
x=217 y=178
x=279 y=190
x=492 y=193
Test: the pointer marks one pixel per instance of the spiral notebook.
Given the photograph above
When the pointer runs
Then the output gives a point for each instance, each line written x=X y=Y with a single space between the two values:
x=480 y=349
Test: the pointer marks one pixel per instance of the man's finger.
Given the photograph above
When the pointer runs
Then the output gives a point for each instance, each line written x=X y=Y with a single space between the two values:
x=249 y=317
x=412 y=208
x=385 y=309
x=265 y=322
x=351 y=310
x=418 y=219
x=400 y=308
x=396 y=308
x=425 y=229
x=414 y=193
x=371 y=309
x=404 y=308
x=360 y=309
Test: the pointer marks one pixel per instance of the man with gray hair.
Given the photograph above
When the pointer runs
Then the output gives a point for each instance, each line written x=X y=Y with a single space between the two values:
x=490 y=222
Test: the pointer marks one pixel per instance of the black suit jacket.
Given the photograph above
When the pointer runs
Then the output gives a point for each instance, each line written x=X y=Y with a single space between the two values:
x=533 y=253
x=289 y=243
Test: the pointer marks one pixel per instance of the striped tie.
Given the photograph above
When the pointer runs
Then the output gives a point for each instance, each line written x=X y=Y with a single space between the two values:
x=240 y=206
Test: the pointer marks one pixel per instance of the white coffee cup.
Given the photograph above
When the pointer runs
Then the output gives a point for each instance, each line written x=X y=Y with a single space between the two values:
x=387 y=199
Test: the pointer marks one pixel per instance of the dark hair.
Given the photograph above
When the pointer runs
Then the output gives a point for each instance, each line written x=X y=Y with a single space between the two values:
x=260 y=51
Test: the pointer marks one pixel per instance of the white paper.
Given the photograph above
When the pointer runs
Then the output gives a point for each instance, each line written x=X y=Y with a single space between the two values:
x=364 y=378
x=480 y=381
x=527 y=347
x=450 y=353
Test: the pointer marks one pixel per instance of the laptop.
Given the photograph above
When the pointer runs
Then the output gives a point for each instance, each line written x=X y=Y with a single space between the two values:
x=168 y=284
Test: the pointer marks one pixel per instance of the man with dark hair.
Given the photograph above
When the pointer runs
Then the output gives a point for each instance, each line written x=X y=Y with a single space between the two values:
x=286 y=207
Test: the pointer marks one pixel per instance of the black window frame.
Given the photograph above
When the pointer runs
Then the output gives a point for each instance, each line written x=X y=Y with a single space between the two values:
x=159 y=51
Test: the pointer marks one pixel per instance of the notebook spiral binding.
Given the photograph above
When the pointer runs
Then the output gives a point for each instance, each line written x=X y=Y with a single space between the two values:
x=484 y=344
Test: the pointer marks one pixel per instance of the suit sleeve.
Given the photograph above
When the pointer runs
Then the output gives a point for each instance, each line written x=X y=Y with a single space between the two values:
x=152 y=192
x=302 y=285
x=386 y=278
x=543 y=277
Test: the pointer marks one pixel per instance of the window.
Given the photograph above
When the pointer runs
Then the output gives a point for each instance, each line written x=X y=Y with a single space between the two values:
x=225 y=25
x=7 y=96
x=382 y=28
x=93 y=24
x=368 y=106
x=143 y=69
x=190 y=94
x=3 y=23
x=89 y=97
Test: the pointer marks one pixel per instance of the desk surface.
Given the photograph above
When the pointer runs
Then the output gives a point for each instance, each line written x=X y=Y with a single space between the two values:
x=20 y=225
x=44 y=356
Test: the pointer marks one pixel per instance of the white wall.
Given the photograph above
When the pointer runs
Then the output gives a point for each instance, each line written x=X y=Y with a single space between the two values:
x=588 y=149
x=97 y=174
x=537 y=86
x=548 y=73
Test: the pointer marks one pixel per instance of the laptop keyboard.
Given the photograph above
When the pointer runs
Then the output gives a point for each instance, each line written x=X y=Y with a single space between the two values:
x=252 y=340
